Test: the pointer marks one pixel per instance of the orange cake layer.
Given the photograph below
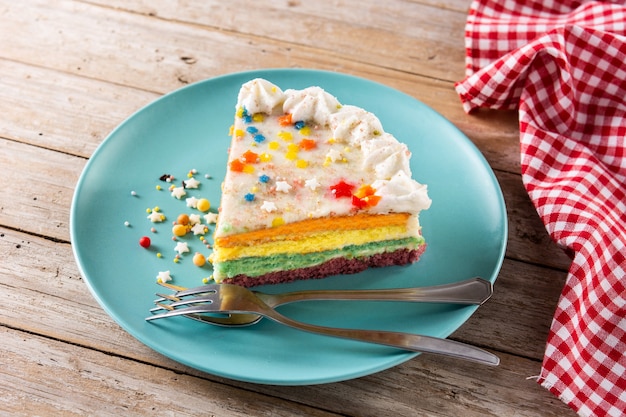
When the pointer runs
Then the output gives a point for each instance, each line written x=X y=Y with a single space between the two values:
x=301 y=229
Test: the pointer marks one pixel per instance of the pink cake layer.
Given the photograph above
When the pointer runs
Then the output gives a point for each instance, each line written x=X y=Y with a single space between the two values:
x=333 y=267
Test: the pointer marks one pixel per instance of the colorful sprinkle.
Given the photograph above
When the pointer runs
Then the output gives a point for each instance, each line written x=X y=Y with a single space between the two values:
x=198 y=259
x=144 y=242
x=250 y=157
x=264 y=179
x=342 y=189
x=203 y=205
x=249 y=197
x=285 y=120
x=286 y=136
x=307 y=144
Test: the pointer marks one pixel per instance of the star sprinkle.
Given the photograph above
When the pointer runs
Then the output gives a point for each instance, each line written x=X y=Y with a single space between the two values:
x=178 y=192
x=191 y=183
x=181 y=247
x=334 y=155
x=164 y=276
x=192 y=202
x=312 y=184
x=199 y=229
x=283 y=186
x=210 y=218
x=194 y=219
x=156 y=217
x=268 y=206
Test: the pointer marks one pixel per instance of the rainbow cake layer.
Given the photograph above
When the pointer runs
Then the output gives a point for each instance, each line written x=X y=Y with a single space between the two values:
x=313 y=188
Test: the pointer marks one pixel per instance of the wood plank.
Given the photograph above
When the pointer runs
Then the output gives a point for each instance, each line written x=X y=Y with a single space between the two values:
x=416 y=38
x=60 y=111
x=519 y=313
x=37 y=200
x=46 y=377
x=528 y=239
x=436 y=386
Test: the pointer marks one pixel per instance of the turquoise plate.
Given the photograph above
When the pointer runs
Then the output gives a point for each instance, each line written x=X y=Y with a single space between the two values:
x=466 y=231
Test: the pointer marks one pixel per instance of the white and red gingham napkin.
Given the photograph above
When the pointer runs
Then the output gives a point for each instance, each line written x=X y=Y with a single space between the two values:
x=563 y=65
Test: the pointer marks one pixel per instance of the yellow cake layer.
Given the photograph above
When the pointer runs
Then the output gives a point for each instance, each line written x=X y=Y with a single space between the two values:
x=317 y=242
x=302 y=229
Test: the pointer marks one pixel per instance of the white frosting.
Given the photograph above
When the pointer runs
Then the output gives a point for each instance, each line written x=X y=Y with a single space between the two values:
x=350 y=146
x=400 y=194
x=260 y=96
x=310 y=104
x=386 y=156
x=354 y=125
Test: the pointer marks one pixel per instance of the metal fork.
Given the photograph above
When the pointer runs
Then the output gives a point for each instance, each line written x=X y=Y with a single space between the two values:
x=470 y=291
x=235 y=299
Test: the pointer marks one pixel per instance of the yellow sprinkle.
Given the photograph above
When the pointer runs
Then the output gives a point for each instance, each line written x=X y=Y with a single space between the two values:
x=344 y=159
x=273 y=145
x=327 y=162
x=292 y=147
x=158 y=187
x=332 y=140
x=176 y=260
x=254 y=189
x=301 y=163
x=265 y=157
x=203 y=205
x=278 y=221
x=231 y=130
x=291 y=155
x=148 y=210
x=347 y=149
x=157 y=209
x=248 y=169
x=239 y=133
x=305 y=131
x=240 y=112
x=258 y=117
x=286 y=136
x=205 y=280
x=159 y=255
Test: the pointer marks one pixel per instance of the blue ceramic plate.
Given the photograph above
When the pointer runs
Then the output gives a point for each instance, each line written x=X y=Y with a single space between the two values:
x=466 y=231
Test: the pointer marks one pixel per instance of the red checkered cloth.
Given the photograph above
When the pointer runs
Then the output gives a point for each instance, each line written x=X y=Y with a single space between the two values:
x=563 y=65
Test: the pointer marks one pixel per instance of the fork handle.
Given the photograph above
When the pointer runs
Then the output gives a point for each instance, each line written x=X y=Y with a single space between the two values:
x=470 y=291
x=406 y=341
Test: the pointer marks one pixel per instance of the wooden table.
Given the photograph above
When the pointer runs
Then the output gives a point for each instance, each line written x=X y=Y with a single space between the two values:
x=70 y=71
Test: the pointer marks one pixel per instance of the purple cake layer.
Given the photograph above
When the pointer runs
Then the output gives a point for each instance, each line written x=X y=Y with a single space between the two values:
x=335 y=266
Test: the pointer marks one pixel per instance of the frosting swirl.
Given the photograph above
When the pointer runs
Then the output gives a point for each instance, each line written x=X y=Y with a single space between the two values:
x=260 y=96
x=310 y=104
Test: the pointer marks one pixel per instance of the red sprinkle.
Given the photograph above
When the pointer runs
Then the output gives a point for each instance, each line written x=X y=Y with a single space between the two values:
x=342 y=189
x=144 y=242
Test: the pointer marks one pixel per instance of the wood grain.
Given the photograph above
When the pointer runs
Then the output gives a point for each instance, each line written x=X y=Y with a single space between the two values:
x=71 y=71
